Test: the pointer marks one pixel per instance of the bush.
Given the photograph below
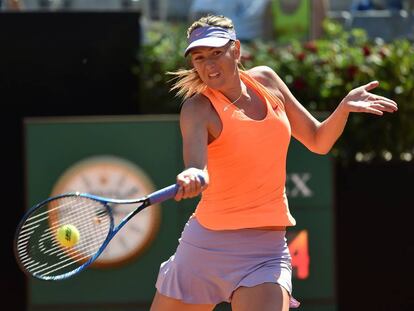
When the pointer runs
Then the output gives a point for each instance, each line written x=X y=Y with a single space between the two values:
x=319 y=73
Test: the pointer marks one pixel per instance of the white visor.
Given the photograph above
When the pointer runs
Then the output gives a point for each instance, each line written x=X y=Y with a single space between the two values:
x=210 y=36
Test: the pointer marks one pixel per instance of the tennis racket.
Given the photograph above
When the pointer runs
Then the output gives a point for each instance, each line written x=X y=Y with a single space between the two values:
x=37 y=248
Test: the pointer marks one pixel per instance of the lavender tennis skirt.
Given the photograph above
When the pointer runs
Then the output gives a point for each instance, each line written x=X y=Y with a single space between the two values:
x=210 y=265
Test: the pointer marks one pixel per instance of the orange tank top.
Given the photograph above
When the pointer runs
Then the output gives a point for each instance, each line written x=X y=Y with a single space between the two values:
x=247 y=166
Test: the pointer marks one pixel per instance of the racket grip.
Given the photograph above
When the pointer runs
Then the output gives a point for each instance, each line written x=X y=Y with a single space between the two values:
x=168 y=192
x=163 y=194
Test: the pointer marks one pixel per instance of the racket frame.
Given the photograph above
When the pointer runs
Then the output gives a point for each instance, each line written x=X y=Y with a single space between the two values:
x=154 y=198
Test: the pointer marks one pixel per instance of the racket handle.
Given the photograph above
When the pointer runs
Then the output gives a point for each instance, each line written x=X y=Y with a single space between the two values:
x=168 y=192
x=163 y=194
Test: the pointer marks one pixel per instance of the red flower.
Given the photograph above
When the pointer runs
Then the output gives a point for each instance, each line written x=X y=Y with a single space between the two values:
x=301 y=56
x=366 y=50
x=271 y=50
x=299 y=83
x=311 y=46
x=246 y=56
x=351 y=71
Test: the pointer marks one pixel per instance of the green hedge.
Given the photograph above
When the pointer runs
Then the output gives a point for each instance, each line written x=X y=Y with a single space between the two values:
x=319 y=73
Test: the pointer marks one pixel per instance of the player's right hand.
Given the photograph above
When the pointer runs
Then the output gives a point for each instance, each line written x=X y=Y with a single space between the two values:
x=192 y=182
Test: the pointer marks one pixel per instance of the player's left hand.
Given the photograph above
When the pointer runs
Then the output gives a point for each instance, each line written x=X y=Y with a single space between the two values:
x=361 y=100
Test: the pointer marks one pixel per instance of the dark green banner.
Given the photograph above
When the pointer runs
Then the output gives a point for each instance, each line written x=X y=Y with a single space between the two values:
x=127 y=157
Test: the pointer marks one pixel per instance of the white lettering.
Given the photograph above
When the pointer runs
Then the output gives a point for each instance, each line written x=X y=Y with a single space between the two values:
x=296 y=185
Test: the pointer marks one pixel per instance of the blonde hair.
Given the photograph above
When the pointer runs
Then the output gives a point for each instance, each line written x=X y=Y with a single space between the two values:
x=187 y=81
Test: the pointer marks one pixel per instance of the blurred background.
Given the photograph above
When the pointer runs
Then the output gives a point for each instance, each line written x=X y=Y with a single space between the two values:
x=84 y=78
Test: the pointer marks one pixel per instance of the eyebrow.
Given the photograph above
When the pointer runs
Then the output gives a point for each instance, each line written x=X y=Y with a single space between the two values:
x=209 y=49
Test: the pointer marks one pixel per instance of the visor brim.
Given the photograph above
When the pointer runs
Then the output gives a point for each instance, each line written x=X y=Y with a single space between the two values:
x=207 y=42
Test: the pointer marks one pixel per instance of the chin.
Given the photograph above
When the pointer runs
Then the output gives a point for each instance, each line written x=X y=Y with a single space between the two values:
x=215 y=84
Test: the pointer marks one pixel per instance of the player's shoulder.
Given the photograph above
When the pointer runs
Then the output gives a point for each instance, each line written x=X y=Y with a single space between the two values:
x=269 y=79
x=197 y=108
x=265 y=75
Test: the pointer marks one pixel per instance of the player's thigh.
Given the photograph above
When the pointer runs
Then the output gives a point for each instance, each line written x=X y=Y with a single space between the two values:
x=263 y=297
x=164 y=303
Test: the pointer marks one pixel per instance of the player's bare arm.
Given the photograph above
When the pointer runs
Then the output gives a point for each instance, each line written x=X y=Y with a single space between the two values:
x=194 y=124
x=319 y=137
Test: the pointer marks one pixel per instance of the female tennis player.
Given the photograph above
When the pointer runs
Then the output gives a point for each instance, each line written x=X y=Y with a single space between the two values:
x=236 y=126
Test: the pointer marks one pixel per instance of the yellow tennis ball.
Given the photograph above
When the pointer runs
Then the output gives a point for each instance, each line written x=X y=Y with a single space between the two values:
x=68 y=235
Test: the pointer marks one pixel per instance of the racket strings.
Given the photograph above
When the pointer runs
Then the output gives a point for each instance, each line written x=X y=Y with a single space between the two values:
x=65 y=255
x=77 y=217
x=50 y=234
x=68 y=218
x=38 y=248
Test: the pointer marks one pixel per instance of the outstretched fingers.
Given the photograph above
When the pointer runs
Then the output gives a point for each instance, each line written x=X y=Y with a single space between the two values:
x=361 y=100
x=373 y=109
x=370 y=86
x=379 y=107
x=387 y=104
